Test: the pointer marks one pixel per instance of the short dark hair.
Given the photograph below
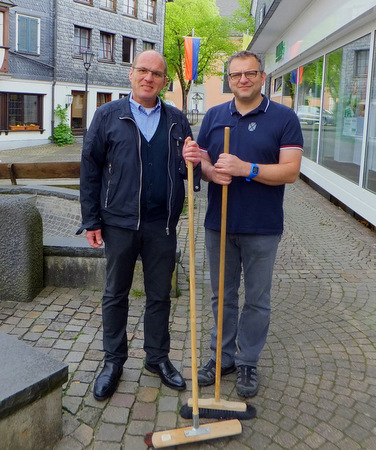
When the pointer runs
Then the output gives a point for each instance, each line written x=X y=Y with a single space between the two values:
x=244 y=54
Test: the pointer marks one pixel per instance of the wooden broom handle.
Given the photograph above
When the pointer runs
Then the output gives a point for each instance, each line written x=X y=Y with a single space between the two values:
x=221 y=284
x=192 y=289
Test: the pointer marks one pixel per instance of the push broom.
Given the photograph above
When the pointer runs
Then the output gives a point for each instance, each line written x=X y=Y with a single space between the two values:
x=196 y=433
x=218 y=408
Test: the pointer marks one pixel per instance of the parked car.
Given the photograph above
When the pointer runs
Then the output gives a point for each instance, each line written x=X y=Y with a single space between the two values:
x=311 y=115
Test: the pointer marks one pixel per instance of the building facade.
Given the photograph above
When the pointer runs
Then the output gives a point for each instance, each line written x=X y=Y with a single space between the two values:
x=47 y=43
x=320 y=59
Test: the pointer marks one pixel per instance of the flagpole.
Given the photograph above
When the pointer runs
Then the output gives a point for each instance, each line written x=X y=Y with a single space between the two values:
x=190 y=87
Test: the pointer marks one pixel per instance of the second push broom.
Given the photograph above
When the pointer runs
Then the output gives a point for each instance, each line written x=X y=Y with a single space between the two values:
x=217 y=408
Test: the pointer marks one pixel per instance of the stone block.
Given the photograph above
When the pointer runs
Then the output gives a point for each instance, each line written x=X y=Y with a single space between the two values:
x=30 y=396
x=21 y=248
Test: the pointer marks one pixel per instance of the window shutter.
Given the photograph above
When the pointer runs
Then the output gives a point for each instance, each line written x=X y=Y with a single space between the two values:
x=22 y=34
x=33 y=33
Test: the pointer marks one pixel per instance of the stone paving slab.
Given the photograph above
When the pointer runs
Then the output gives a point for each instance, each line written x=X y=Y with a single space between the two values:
x=317 y=370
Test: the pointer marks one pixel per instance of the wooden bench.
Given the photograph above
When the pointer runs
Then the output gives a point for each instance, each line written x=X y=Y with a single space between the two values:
x=39 y=170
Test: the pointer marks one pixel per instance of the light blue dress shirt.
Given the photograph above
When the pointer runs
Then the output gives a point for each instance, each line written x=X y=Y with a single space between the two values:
x=146 y=119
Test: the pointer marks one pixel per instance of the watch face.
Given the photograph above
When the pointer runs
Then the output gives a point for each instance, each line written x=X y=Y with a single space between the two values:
x=255 y=170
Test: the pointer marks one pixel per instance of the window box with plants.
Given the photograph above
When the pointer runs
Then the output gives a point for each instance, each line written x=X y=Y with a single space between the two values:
x=16 y=127
x=31 y=126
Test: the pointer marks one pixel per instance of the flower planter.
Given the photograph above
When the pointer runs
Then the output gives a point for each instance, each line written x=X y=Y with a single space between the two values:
x=16 y=127
x=29 y=127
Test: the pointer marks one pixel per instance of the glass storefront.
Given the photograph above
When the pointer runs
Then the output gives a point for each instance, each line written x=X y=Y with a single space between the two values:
x=346 y=72
x=329 y=96
x=308 y=80
x=370 y=161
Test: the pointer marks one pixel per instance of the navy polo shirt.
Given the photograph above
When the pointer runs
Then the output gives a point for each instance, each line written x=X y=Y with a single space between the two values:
x=256 y=137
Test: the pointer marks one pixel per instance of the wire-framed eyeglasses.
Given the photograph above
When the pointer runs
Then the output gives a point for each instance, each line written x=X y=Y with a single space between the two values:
x=154 y=73
x=250 y=75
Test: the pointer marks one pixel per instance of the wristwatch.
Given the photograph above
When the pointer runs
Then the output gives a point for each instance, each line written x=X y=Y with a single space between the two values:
x=254 y=172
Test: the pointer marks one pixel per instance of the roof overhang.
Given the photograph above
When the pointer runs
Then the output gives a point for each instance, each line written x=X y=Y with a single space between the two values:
x=281 y=14
x=7 y=3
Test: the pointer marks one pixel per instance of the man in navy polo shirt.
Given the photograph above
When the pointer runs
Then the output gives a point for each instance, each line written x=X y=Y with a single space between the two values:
x=266 y=145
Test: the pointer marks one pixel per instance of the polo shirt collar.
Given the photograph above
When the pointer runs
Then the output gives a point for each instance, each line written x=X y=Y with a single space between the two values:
x=261 y=108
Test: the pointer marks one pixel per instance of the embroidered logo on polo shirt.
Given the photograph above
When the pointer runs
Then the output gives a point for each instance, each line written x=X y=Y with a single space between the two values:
x=252 y=126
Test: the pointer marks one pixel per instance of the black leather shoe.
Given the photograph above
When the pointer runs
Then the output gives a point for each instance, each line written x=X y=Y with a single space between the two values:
x=106 y=383
x=168 y=374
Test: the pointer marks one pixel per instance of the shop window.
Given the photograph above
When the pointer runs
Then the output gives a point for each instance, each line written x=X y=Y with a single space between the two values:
x=370 y=161
x=20 y=111
x=308 y=83
x=150 y=8
x=276 y=89
x=103 y=98
x=128 y=50
x=344 y=98
x=288 y=90
x=106 y=47
x=81 y=40
x=130 y=8
x=28 y=29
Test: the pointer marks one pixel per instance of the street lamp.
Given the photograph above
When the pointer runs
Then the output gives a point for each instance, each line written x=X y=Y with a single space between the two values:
x=87 y=57
x=68 y=100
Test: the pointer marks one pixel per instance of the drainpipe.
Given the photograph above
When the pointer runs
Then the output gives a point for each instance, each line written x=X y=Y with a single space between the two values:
x=54 y=67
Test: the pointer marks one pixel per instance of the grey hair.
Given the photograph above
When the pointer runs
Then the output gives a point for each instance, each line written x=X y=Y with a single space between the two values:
x=244 y=54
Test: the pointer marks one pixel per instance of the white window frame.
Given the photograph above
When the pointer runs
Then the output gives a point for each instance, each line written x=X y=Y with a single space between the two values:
x=102 y=50
x=129 y=9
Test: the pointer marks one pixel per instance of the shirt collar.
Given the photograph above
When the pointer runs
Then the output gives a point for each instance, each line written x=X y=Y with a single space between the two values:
x=139 y=107
x=263 y=106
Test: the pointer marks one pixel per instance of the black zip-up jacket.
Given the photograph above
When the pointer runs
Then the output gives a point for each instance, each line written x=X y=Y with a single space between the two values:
x=111 y=168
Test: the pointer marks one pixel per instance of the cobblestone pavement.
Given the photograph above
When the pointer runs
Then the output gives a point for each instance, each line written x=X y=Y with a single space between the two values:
x=317 y=370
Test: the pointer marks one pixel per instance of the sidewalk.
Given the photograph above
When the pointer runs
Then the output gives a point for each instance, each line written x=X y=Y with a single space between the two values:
x=317 y=370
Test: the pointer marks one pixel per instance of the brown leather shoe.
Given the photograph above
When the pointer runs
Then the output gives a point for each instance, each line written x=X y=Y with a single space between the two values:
x=168 y=374
x=106 y=383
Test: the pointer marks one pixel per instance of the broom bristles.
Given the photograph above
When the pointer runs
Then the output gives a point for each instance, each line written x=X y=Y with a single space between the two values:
x=221 y=414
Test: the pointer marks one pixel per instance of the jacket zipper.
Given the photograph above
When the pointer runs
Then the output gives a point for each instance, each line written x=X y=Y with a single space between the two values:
x=141 y=174
x=108 y=184
x=170 y=178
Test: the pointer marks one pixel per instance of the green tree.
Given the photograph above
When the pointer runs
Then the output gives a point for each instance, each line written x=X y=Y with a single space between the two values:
x=241 y=20
x=202 y=16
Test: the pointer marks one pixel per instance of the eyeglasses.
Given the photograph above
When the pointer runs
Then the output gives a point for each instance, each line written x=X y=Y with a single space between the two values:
x=250 y=75
x=155 y=74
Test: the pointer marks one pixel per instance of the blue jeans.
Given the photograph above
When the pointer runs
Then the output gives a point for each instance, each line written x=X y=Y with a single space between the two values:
x=157 y=251
x=243 y=336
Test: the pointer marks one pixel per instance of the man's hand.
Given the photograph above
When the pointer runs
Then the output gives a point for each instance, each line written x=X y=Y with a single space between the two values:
x=191 y=152
x=94 y=238
x=228 y=164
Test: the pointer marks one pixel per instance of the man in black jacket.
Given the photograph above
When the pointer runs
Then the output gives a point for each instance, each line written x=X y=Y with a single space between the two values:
x=132 y=194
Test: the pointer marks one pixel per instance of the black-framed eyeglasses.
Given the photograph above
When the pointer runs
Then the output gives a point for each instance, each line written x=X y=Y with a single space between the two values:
x=250 y=75
x=154 y=73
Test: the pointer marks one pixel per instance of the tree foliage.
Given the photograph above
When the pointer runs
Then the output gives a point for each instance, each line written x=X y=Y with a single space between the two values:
x=62 y=133
x=241 y=20
x=202 y=16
